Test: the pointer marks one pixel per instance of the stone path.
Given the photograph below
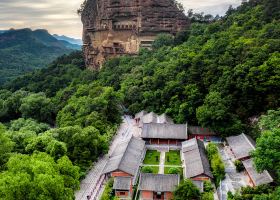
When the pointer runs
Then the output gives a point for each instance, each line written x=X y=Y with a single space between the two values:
x=91 y=185
x=162 y=161
x=86 y=186
x=233 y=180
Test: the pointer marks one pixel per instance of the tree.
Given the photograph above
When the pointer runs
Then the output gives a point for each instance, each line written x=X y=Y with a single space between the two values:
x=163 y=40
x=39 y=177
x=214 y=113
x=186 y=191
x=38 y=107
x=11 y=106
x=22 y=124
x=267 y=155
x=211 y=150
x=48 y=144
x=214 y=110
x=83 y=145
x=270 y=121
x=217 y=165
x=6 y=147
x=218 y=168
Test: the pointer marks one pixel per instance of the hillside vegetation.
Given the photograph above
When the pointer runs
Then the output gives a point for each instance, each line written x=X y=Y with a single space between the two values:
x=219 y=74
x=24 y=50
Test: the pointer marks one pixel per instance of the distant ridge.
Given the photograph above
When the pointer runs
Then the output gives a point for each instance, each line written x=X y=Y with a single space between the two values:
x=69 y=39
x=23 y=50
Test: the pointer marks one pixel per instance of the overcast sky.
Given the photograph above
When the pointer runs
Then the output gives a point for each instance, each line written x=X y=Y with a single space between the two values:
x=59 y=16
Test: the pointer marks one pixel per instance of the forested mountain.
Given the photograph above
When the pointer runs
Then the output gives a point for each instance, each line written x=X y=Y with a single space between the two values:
x=24 y=50
x=222 y=74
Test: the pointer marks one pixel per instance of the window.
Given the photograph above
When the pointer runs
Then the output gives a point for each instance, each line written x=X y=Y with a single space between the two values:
x=122 y=193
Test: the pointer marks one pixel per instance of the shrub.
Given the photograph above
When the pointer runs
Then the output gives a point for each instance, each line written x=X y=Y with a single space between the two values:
x=239 y=166
x=207 y=196
x=217 y=165
x=208 y=186
x=174 y=170
x=108 y=193
x=186 y=190
x=147 y=169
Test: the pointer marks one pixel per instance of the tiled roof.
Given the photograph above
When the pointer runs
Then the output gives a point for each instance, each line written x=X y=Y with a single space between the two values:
x=140 y=114
x=257 y=178
x=195 y=160
x=164 y=131
x=126 y=157
x=158 y=182
x=196 y=130
x=122 y=183
x=241 y=145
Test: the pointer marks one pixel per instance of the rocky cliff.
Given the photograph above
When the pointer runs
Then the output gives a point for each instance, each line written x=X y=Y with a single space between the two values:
x=120 y=27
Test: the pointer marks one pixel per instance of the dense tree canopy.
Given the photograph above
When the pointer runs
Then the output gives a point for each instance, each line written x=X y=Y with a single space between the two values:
x=267 y=154
x=225 y=71
x=39 y=177
x=221 y=74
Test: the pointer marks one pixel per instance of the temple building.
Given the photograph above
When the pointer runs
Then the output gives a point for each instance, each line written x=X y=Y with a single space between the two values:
x=123 y=166
x=144 y=117
x=241 y=146
x=164 y=134
x=158 y=186
x=195 y=162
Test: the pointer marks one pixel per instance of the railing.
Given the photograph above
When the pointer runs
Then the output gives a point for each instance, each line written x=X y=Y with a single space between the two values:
x=97 y=188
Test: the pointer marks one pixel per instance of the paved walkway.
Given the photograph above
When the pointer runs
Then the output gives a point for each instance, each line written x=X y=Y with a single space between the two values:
x=161 y=163
x=91 y=183
x=91 y=179
x=233 y=180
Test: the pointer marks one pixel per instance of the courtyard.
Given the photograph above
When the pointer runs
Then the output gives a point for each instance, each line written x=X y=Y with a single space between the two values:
x=163 y=162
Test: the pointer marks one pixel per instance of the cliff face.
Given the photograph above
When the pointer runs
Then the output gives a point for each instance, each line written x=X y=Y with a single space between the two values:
x=120 y=27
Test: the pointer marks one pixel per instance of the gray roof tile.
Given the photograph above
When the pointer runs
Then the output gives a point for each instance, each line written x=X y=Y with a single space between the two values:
x=195 y=160
x=241 y=145
x=158 y=182
x=257 y=178
x=126 y=157
x=164 y=131
x=199 y=130
x=122 y=183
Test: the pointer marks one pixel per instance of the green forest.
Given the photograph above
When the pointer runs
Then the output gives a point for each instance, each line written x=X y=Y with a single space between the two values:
x=24 y=50
x=222 y=73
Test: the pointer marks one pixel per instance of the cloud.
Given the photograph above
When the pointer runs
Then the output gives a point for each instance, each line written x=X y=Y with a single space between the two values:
x=59 y=16
x=214 y=7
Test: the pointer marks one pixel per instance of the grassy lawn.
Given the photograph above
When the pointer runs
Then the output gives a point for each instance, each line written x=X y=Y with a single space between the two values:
x=166 y=169
x=155 y=169
x=152 y=157
x=173 y=158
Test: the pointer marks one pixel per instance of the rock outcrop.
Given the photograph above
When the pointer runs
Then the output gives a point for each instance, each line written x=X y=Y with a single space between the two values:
x=120 y=27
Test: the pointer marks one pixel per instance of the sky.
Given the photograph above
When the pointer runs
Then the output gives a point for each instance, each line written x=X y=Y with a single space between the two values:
x=60 y=16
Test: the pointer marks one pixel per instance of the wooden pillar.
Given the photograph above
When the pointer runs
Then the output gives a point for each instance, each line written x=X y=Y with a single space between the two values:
x=158 y=141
